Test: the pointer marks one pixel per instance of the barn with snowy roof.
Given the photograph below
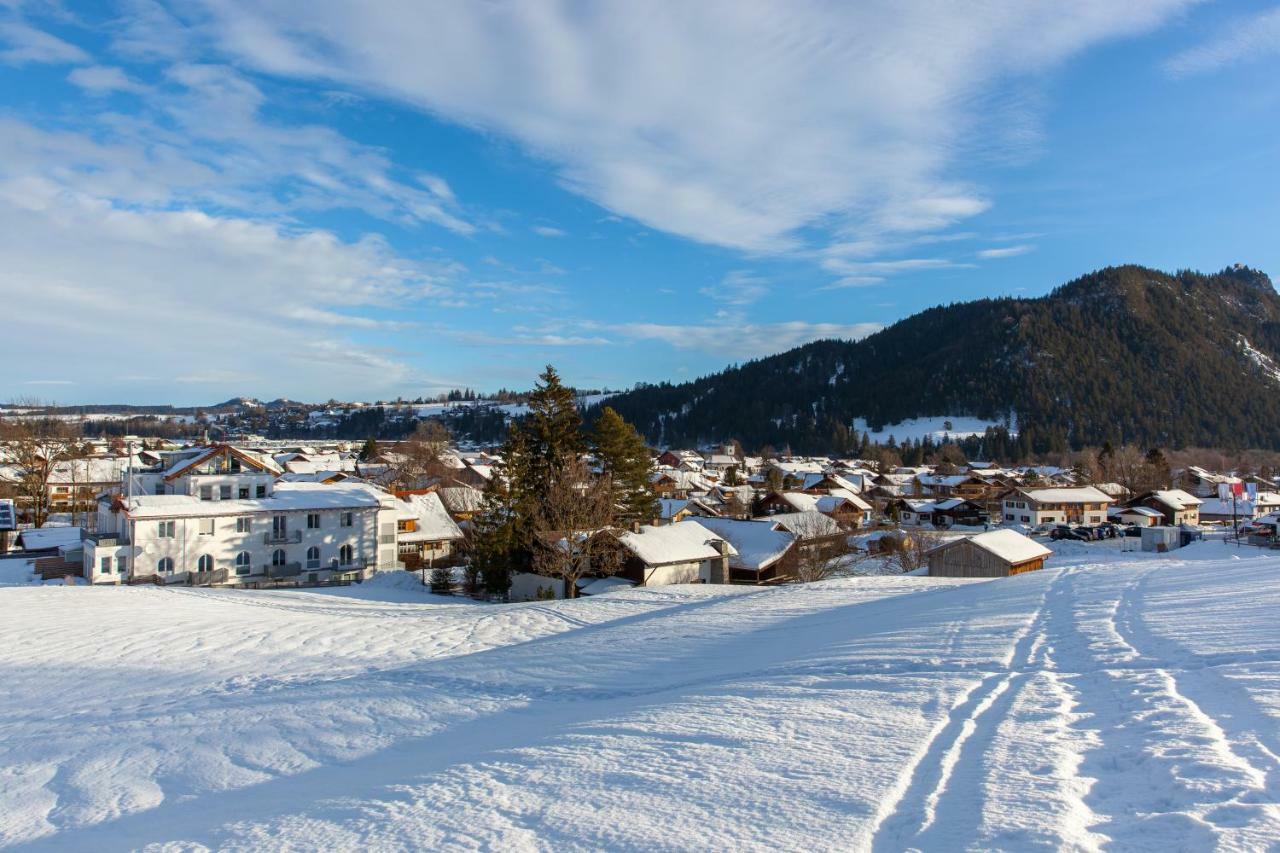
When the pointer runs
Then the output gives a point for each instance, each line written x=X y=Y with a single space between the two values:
x=994 y=554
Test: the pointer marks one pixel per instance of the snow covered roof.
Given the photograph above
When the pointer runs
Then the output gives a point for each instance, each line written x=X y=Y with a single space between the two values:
x=434 y=523
x=670 y=507
x=682 y=542
x=47 y=538
x=286 y=497
x=1145 y=511
x=759 y=544
x=1078 y=495
x=806 y=525
x=1009 y=545
x=1176 y=498
x=462 y=498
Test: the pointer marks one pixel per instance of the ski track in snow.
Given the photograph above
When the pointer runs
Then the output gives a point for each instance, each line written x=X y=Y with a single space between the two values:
x=1132 y=704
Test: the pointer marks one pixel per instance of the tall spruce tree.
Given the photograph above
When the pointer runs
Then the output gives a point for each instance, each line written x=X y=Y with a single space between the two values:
x=624 y=457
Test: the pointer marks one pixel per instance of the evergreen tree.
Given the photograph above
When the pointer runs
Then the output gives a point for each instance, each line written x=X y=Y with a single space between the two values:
x=624 y=458
x=370 y=449
x=441 y=580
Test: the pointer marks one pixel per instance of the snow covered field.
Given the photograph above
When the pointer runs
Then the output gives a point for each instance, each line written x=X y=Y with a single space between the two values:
x=915 y=429
x=1122 y=700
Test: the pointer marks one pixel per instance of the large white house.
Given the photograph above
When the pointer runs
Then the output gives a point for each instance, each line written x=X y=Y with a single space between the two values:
x=218 y=515
x=1081 y=505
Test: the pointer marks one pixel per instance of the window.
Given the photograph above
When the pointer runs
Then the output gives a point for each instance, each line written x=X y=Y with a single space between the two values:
x=1026 y=518
x=159 y=488
x=165 y=566
x=242 y=563
x=313 y=521
x=244 y=524
x=105 y=565
x=205 y=563
x=243 y=493
x=313 y=557
x=165 y=530
x=206 y=527
x=262 y=491
x=224 y=492
x=206 y=493
x=122 y=564
x=279 y=526
x=388 y=536
x=278 y=558
x=345 y=555
x=348 y=519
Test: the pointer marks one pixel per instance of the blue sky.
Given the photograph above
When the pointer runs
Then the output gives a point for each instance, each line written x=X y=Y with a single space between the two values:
x=361 y=201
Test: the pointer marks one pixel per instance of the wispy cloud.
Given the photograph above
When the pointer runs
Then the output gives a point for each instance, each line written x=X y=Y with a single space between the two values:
x=738 y=287
x=548 y=231
x=1245 y=39
x=737 y=340
x=731 y=124
x=103 y=79
x=26 y=45
x=1005 y=251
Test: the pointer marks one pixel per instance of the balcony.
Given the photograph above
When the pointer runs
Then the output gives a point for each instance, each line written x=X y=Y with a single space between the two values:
x=283 y=537
x=288 y=570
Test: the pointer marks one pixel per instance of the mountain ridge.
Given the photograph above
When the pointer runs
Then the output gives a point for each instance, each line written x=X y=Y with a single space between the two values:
x=1121 y=354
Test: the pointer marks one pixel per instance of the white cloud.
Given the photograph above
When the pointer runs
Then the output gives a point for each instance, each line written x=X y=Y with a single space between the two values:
x=1006 y=251
x=1244 y=40
x=738 y=287
x=233 y=303
x=729 y=123
x=103 y=79
x=548 y=231
x=737 y=340
x=26 y=44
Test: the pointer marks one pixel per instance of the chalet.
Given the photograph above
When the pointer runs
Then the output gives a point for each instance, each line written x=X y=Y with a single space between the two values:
x=994 y=554
x=685 y=552
x=1177 y=506
x=848 y=509
x=1059 y=505
x=764 y=554
x=678 y=509
x=1203 y=483
x=674 y=483
x=424 y=530
x=953 y=511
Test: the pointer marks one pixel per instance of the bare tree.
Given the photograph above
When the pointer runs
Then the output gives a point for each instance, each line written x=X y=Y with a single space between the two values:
x=35 y=447
x=575 y=507
x=820 y=551
x=909 y=552
x=422 y=456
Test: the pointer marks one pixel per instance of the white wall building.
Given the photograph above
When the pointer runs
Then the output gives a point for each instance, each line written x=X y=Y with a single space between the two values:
x=223 y=518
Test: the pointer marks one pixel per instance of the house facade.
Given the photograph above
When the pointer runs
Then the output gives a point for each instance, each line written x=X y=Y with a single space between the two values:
x=1080 y=505
x=281 y=532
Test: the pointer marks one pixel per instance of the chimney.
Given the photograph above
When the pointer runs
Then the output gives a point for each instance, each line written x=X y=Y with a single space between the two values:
x=635 y=527
x=720 y=565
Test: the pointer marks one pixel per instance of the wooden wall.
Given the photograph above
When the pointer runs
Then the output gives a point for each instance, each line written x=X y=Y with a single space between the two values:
x=966 y=560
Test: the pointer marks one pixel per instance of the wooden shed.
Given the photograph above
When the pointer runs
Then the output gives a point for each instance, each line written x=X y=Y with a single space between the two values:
x=995 y=554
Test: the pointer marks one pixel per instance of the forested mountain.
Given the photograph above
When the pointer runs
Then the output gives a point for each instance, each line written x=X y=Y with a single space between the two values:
x=1124 y=354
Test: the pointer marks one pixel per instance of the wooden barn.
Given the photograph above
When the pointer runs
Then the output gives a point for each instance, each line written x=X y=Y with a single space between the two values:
x=995 y=554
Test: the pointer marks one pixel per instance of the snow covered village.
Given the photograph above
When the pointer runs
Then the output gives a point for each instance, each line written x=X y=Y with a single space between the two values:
x=557 y=425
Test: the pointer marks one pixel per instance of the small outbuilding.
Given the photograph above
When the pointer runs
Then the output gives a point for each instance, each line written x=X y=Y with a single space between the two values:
x=994 y=554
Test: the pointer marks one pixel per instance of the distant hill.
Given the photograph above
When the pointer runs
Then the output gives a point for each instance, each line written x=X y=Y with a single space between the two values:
x=1124 y=354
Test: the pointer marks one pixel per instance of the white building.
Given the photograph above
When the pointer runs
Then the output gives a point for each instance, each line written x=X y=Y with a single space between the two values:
x=219 y=516
x=1083 y=505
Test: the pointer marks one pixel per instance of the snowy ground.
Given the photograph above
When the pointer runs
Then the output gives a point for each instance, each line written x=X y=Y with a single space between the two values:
x=915 y=429
x=1123 y=700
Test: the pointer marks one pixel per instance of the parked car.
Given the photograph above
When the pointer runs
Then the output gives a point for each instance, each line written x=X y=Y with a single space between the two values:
x=1063 y=531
